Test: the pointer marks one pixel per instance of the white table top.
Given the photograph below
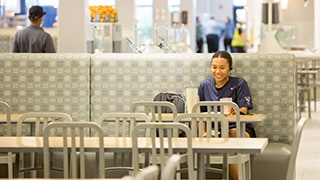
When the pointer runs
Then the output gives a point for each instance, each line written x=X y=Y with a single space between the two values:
x=252 y=118
x=112 y=144
x=14 y=118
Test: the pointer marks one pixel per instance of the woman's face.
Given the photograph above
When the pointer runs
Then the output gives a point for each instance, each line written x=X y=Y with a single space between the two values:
x=220 y=69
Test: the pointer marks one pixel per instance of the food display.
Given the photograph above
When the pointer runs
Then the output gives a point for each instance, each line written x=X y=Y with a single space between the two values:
x=103 y=14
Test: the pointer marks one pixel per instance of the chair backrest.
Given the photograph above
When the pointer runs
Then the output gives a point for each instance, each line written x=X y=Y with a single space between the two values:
x=73 y=146
x=169 y=170
x=162 y=144
x=6 y=109
x=148 y=173
x=122 y=123
x=38 y=120
x=295 y=148
x=215 y=116
x=153 y=109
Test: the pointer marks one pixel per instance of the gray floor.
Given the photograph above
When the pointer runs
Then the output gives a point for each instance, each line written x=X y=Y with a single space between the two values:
x=308 y=159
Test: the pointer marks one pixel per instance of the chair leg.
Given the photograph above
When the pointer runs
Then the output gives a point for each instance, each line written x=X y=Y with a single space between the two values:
x=10 y=166
x=309 y=104
x=315 y=98
x=248 y=168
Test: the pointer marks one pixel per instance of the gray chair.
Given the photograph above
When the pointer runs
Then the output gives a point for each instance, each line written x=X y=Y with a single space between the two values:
x=154 y=109
x=304 y=86
x=7 y=158
x=31 y=124
x=215 y=115
x=278 y=160
x=148 y=173
x=162 y=145
x=169 y=171
x=74 y=151
x=122 y=125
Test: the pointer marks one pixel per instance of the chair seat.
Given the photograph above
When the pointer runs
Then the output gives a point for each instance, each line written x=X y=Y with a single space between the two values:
x=232 y=159
x=275 y=158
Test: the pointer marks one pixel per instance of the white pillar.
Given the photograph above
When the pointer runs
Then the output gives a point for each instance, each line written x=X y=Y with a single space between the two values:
x=126 y=12
x=161 y=15
x=190 y=6
x=73 y=26
x=316 y=25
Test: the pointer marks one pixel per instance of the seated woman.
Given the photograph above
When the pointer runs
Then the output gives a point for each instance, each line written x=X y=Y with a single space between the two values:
x=222 y=85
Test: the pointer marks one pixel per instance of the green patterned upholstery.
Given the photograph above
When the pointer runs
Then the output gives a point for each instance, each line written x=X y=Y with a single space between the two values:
x=5 y=43
x=46 y=82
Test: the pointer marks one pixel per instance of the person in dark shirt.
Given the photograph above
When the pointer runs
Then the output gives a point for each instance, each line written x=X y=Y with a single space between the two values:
x=228 y=35
x=222 y=85
x=33 y=39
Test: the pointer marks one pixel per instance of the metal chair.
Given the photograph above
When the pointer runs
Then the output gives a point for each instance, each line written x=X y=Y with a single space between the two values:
x=148 y=173
x=7 y=158
x=162 y=146
x=73 y=135
x=278 y=160
x=304 y=86
x=291 y=172
x=31 y=124
x=122 y=125
x=171 y=167
x=214 y=119
x=154 y=109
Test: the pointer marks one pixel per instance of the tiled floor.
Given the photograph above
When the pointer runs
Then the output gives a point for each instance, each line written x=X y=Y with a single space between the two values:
x=308 y=159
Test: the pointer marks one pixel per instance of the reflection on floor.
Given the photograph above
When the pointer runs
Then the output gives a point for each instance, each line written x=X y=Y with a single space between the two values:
x=308 y=159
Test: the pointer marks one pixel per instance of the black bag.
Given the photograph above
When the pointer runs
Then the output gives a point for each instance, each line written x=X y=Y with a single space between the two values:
x=177 y=99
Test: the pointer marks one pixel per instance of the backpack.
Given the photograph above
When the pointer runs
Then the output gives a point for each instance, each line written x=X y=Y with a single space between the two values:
x=177 y=99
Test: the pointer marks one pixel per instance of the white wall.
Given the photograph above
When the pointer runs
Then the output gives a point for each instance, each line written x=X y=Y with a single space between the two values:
x=316 y=25
x=73 y=27
x=303 y=18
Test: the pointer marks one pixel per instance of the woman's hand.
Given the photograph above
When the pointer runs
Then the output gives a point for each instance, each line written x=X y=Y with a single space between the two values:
x=243 y=110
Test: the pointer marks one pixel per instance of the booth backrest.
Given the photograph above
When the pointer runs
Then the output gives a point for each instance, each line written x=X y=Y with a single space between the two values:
x=118 y=80
x=5 y=43
x=46 y=82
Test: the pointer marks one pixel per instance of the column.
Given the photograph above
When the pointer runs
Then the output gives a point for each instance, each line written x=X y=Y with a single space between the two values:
x=73 y=26
x=316 y=25
x=190 y=6
x=161 y=15
x=126 y=12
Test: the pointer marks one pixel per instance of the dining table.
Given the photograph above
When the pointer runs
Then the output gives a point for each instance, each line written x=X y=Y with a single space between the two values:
x=200 y=146
x=14 y=117
x=247 y=118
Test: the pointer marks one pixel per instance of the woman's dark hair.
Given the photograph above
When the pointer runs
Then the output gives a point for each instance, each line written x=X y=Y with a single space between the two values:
x=225 y=55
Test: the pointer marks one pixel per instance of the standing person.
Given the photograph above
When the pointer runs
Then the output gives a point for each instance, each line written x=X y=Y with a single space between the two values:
x=239 y=40
x=222 y=85
x=229 y=30
x=213 y=33
x=199 y=32
x=33 y=39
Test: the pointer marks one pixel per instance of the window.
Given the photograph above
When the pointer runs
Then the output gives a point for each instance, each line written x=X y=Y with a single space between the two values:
x=144 y=17
x=239 y=10
x=174 y=5
x=239 y=2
